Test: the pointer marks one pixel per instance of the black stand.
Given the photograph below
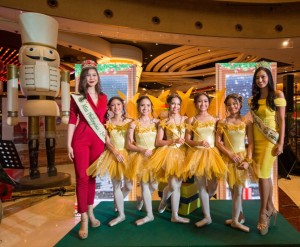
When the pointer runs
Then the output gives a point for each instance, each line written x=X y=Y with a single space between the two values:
x=9 y=159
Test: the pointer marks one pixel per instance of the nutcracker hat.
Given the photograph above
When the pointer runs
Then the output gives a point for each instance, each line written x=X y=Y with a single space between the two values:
x=38 y=29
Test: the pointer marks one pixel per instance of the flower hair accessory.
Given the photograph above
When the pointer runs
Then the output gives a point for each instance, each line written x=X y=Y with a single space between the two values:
x=88 y=63
x=263 y=64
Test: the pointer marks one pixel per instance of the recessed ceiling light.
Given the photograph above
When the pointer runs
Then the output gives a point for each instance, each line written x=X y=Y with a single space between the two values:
x=285 y=43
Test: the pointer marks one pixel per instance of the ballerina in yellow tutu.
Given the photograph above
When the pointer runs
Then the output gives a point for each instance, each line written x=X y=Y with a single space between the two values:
x=203 y=160
x=141 y=141
x=115 y=159
x=168 y=160
x=230 y=139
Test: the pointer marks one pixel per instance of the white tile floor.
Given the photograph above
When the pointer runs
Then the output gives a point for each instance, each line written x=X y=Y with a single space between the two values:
x=47 y=221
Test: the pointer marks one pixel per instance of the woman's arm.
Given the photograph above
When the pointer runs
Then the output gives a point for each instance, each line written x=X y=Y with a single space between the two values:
x=159 y=142
x=71 y=130
x=220 y=144
x=189 y=134
x=249 y=133
x=280 y=113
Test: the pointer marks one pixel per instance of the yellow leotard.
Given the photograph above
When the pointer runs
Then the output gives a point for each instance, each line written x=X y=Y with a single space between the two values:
x=145 y=138
x=262 y=147
x=169 y=160
x=201 y=161
x=107 y=162
x=234 y=140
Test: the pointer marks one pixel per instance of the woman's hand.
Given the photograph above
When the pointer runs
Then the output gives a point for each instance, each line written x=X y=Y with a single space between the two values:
x=119 y=157
x=243 y=166
x=277 y=149
x=180 y=141
x=204 y=144
x=70 y=153
x=235 y=158
x=147 y=152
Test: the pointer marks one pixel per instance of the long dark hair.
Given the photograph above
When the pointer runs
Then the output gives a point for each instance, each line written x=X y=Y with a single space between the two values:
x=256 y=90
x=83 y=86
x=123 y=104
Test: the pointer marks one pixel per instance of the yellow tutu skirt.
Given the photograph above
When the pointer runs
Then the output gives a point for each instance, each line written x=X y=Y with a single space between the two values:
x=205 y=162
x=139 y=168
x=238 y=177
x=168 y=161
x=107 y=163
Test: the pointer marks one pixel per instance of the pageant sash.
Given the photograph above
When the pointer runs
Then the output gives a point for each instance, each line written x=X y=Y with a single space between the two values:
x=90 y=116
x=270 y=134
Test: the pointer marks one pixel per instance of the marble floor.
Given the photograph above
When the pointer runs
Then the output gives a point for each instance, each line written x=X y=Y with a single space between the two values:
x=43 y=220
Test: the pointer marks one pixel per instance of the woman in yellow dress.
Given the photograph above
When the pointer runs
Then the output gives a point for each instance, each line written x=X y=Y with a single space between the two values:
x=230 y=140
x=203 y=160
x=268 y=112
x=115 y=159
x=141 y=141
x=168 y=161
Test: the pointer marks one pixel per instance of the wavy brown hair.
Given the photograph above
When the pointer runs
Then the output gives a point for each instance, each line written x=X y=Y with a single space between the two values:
x=83 y=85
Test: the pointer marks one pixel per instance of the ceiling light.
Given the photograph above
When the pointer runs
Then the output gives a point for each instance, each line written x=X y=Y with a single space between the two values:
x=285 y=43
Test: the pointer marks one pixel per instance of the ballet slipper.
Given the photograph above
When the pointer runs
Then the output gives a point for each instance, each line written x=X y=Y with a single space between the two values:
x=115 y=207
x=162 y=207
x=179 y=219
x=237 y=225
x=116 y=221
x=140 y=203
x=203 y=222
x=241 y=220
x=83 y=231
x=144 y=220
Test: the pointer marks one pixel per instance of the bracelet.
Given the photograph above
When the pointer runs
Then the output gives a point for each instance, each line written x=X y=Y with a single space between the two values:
x=249 y=161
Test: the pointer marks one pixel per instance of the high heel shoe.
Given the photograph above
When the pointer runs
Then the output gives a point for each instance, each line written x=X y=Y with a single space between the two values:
x=83 y=231
x=263 y=224
x=274 y=214
x=93 y=221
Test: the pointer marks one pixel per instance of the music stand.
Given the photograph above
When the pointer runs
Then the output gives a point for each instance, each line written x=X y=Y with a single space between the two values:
x=9 y=159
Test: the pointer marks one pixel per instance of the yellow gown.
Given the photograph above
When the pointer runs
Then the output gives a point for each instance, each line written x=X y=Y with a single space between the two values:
x=262 y=147
x=107 y=162
x=170 y=160
x=234 y=140
x=145 y=138
x=201 y=161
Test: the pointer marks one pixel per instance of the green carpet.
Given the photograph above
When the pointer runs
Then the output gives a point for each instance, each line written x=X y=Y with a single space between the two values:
x=162 y=232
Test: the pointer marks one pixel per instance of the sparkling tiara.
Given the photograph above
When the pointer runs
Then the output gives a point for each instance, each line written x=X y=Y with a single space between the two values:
x=263 y=64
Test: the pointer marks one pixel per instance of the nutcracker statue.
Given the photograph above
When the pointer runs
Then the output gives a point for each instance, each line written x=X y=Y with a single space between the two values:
x=40 y=82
